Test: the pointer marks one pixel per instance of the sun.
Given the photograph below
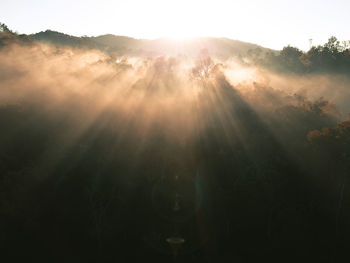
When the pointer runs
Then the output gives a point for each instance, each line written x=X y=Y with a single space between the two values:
x=180 y=38
x=179 y=30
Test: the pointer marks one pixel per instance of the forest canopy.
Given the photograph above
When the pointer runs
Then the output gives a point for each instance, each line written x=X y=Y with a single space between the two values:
x=110 y=157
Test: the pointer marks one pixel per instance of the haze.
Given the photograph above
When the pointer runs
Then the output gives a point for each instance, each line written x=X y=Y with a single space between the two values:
x=233 y=147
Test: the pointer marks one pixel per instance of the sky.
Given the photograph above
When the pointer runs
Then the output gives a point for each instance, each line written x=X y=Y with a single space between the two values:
x=270 y=23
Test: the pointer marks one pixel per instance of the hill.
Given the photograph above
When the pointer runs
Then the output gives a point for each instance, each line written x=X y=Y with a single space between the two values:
x=221 y=47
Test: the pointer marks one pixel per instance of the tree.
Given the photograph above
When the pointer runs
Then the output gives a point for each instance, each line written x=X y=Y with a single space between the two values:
x=333 y=45
x=4 y=28
x=290 y=58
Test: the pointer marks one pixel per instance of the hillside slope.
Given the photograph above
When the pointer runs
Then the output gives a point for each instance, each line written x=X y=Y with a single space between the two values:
x=221 y=47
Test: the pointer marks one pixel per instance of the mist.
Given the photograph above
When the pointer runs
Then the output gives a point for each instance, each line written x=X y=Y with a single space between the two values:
x=230 y=160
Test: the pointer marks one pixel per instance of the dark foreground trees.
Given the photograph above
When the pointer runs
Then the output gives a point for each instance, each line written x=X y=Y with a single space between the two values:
x=230 y=176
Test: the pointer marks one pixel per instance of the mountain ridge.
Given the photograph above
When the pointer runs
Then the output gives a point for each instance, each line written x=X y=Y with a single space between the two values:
x=124 y=45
